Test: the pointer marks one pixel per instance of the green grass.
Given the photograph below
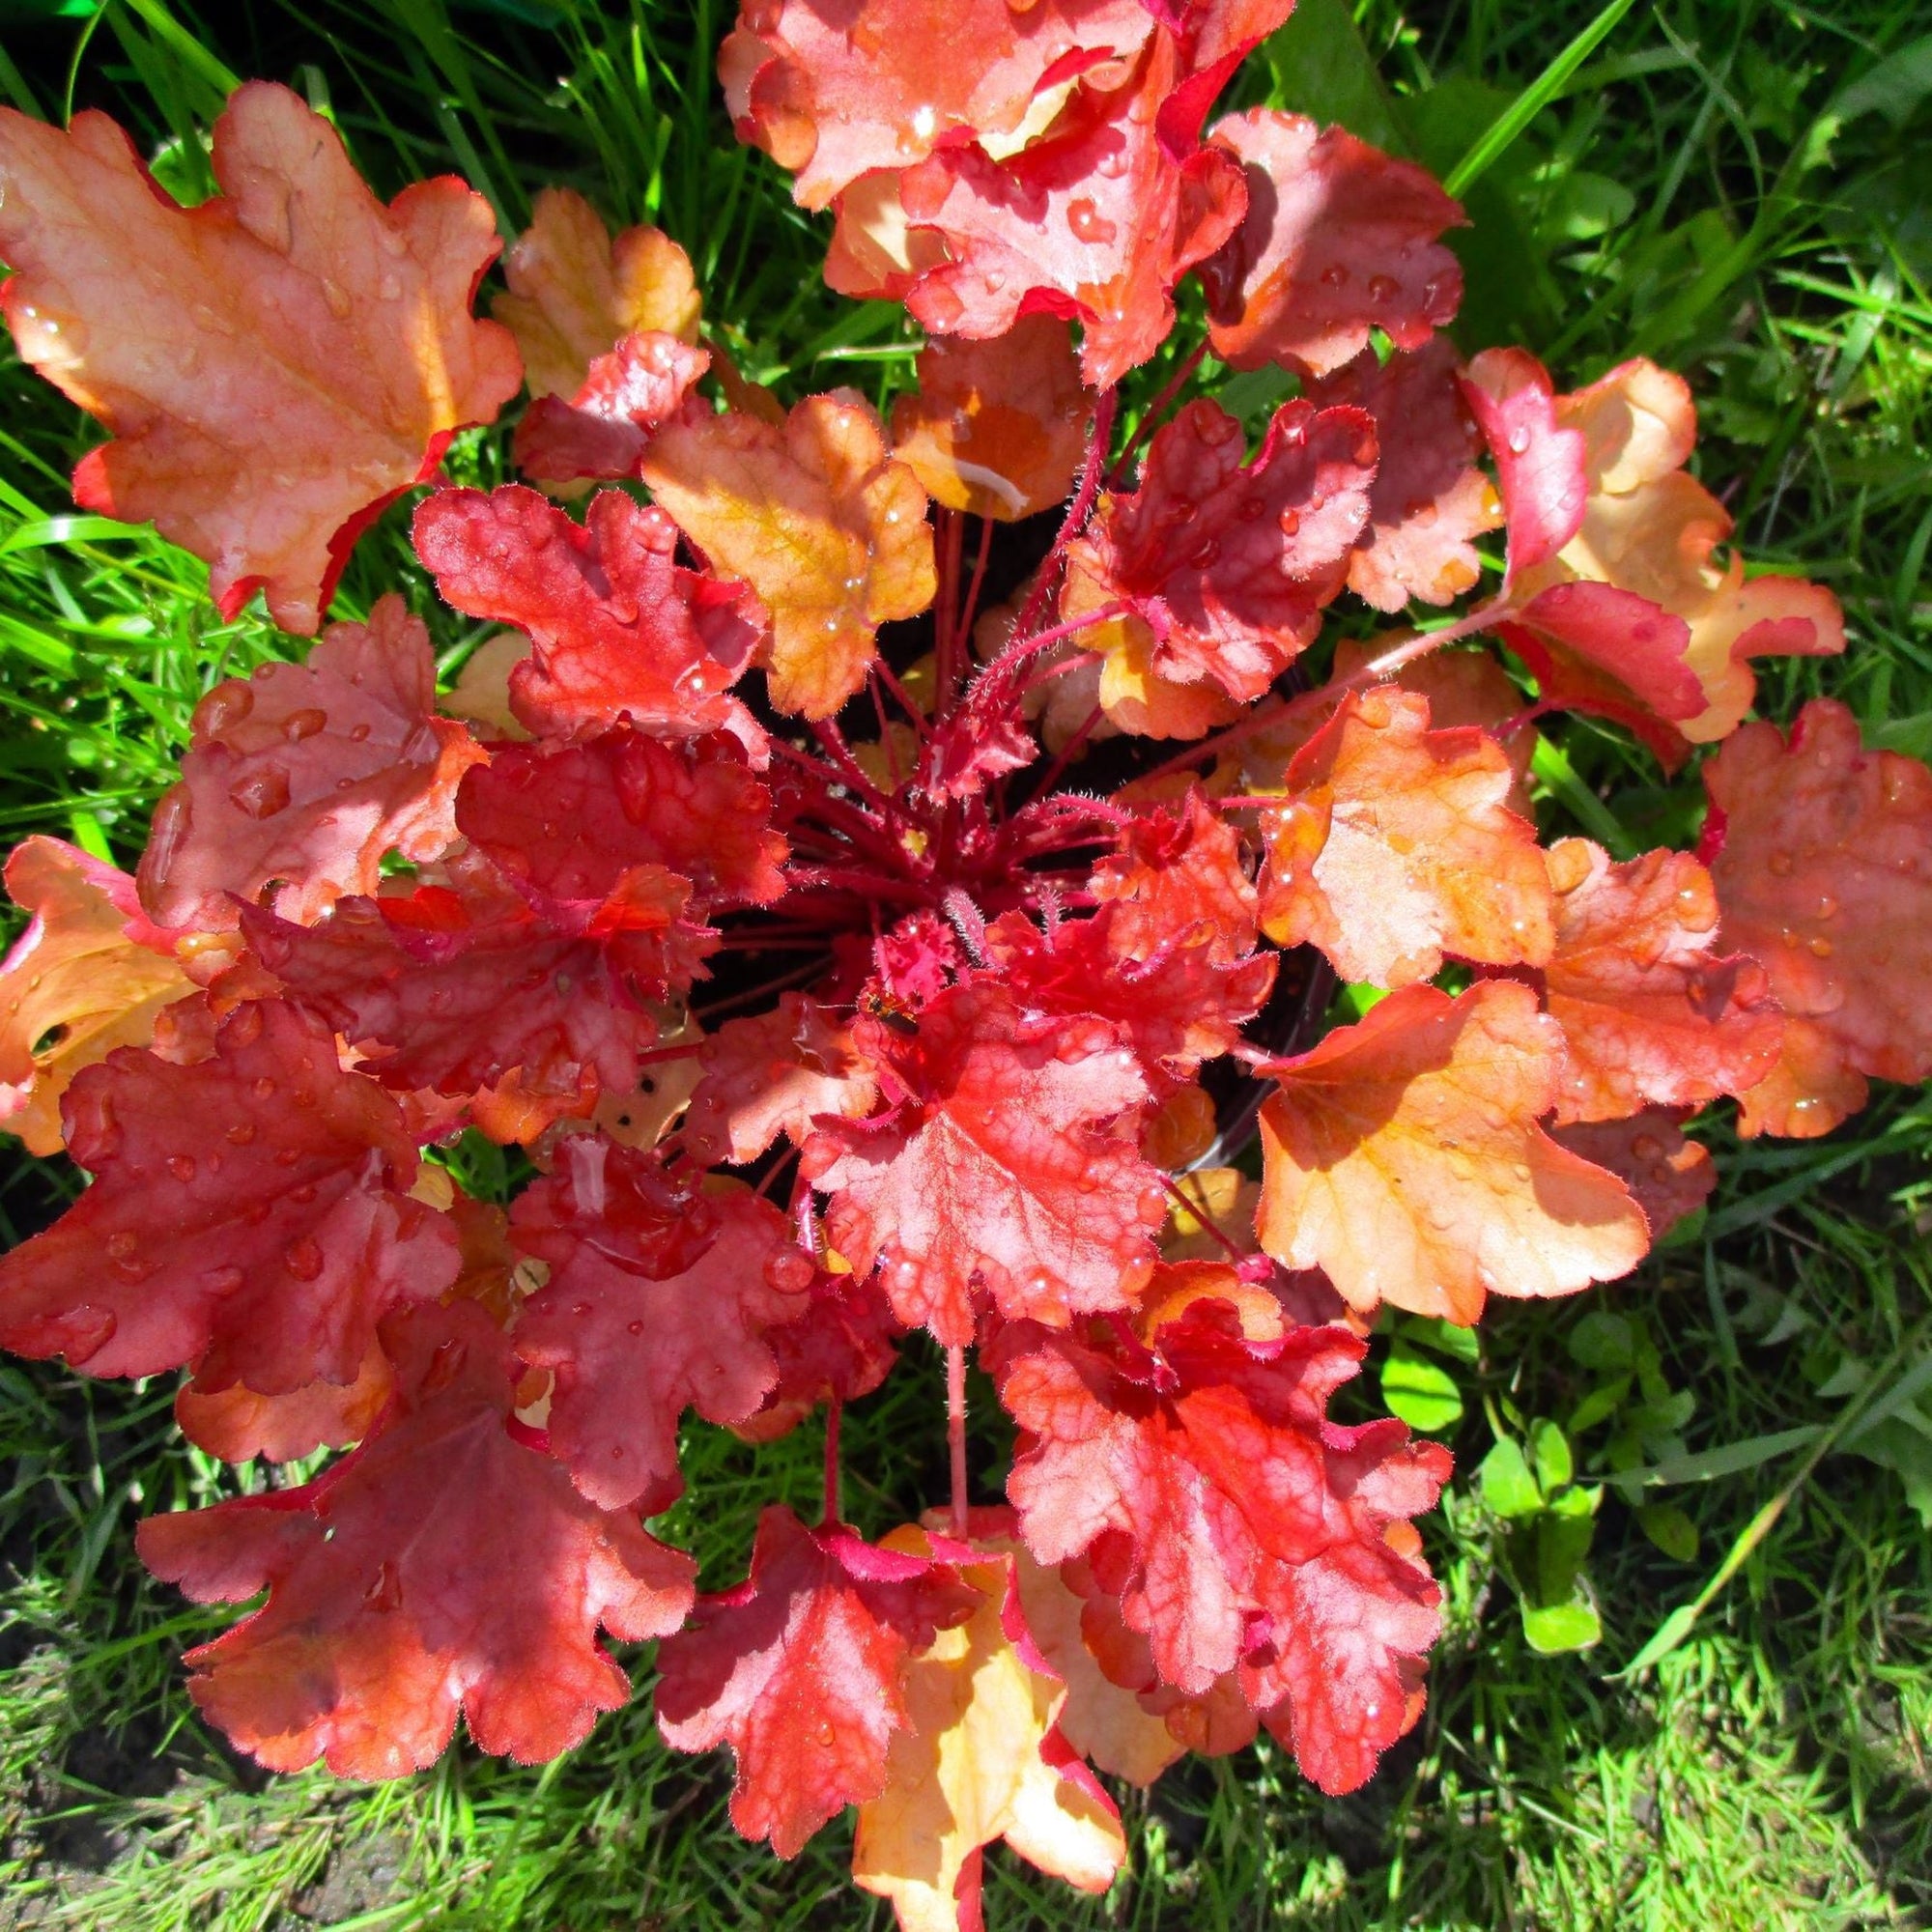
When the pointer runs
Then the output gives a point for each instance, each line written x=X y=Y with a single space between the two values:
x=1742 y=189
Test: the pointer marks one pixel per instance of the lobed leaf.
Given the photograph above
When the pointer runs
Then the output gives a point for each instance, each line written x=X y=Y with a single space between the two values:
x=823 y=524
x=1404 y=1156
x=89 y=974
x=446 y=1565
x=305 y=777
x=248 y=1216
x=276 y=364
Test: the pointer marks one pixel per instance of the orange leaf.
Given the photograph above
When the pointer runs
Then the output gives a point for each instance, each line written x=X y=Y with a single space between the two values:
x=1402 y=1156
x=1397 y=847
x=1650 y=1010
x=277 y=363
x=1652 y=530
x=575 y=292
x=818 y=520
x=1107 y=1725
x=76 y=985
x=1668 y=1176
x=1824 y=873
x=997 y=428
x=981 y=1761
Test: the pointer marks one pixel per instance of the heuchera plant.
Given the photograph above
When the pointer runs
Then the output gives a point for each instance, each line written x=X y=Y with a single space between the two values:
x=883 y=873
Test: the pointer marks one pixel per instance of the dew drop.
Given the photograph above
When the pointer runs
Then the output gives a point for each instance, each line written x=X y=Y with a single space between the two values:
x=260 y=794
x=1827 y=906
x=1382 y=290
x=1820 y=947
x=181 y=1166
x=359 y=733
x=1519 y=441
x=386 y=1589
x=1333 y=276
x=222 y=709
x=303 y=724
x=1569 y=865
x=790 y=1271
x=634 y=1327
x=303 y=1259
x=122 y=1244
x=1088 y=223
x=337 y=299
x=1646 y=1146
x=1780 y=864
x=941 y=310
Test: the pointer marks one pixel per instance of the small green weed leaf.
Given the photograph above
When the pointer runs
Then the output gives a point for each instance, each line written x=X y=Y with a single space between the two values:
x=1564 y=1533
x=1603 y=1342
x=1670 y=1529
x=1550 y=1449
x=1553 y=1629
x=1442 y=1338
x=1421 y=1392
x=1508 y=1487
x=1599 y=1406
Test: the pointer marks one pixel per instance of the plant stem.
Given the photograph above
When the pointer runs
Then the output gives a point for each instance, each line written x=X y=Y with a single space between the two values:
x=971 y=607
x=1076 y=512
x=1155 y=410
x=955 y=1433
x=833 y=1411
x=1400 y=655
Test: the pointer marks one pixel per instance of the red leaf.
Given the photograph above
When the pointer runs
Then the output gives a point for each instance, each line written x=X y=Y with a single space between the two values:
x=1668 y=1176
x=632 y=1347
x=802 y=1671
x=1396 y=846
x=879 y=84
x=307 y=775
x=445 y=1564
x=588 y=832
x=89 y=974
x=1822 y=855
x=247 y=1214
x=1178 y=876
x=419 y=985
x=606 y=426
x=278 y=363
x=1339 y=238
x=1229 y=564
x=1429 y=500
x=1651 y=1012
x=1402 y=1157
x=1180 y=1005
x=1538 y=463
x=837 y=1349
x=1096 y=221
x=1237 y=1518
x=620 y=631
x=1010 y=1168
x=767 y=1076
